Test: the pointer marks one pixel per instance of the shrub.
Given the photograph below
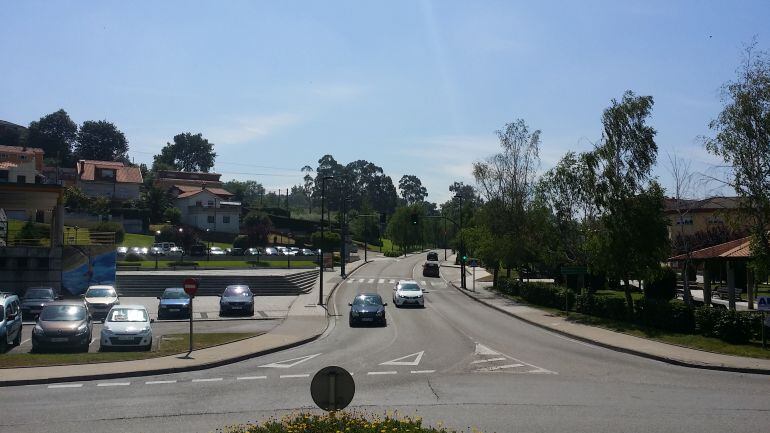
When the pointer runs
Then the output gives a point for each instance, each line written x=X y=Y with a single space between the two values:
x=133 y=257
x=662 y=285
x=601 y=306
x=241 y=241
x=706 y=318
x=173 y=215
x=672 y=316
x=337 y=422
x=393 y=254
x=733 y=327
x=113 y=227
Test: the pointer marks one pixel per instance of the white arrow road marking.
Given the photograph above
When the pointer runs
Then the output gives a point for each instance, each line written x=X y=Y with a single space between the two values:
x=484 y=350
x=400 y=361
x=480 y=361
x=289 y=362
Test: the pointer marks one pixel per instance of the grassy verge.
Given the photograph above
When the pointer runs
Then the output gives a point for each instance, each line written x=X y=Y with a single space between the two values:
x=348 y=422
x=170 y=344
x=752 y=350
x=234 y=264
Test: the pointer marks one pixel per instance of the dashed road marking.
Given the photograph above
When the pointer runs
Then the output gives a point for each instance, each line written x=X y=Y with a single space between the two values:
x=422 y=371
x=114 y=384
x=351 y=281
x=373 y=373
x=250 y=377
x=159 y=382
x=392 y=281
x=424 y=283
x=292 y=376
x=371 y=280
x=213 y=379
x=66 y=385
x=381 y=280
x=361 y=280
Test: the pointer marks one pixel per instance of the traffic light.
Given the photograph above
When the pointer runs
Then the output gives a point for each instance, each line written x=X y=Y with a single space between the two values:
x=415 y=219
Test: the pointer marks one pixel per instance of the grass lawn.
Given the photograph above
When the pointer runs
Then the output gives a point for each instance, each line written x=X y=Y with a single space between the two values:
x=163 y=264
x=387 y=245
x=170 y=344
x=135 y=240
x=751 y=350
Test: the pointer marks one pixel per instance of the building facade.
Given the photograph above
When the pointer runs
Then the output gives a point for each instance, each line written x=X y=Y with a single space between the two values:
x=20 y=164
x=108 y=179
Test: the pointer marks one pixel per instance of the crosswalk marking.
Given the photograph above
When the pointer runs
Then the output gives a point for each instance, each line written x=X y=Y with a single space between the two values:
x=424 y=283
x=351 y=281
x=392 y=281
x=381 y=280
x=371 y=280
x=361 y=280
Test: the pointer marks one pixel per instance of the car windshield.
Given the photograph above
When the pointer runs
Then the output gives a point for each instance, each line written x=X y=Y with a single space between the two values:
x=100 y=293
x=39 y=294
x=237 y=291
x=127 y=315
x=409 y=287
x=175 y=294
x=63 y=313
x=368 y=300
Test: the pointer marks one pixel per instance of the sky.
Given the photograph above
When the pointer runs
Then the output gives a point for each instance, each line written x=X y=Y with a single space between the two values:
x=417 y=87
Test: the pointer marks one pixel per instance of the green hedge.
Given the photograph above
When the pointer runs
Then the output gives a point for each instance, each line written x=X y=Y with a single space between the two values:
x=393 y=254
x=601 y=306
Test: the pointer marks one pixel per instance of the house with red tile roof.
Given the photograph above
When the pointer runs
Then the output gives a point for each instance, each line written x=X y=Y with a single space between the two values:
x=109 y=179
x=20 y=164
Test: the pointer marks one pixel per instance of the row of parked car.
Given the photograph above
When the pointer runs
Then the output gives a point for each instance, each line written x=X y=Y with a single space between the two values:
x=68 y=324
x=171 y=250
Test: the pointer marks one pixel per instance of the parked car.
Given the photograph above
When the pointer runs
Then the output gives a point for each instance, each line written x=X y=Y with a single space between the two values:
x=236 y=299
x=122 y=251
x=307 y=252
x=10 y=321
x=236 y=251
x=63 y=324
x=174 y=302
x=367 y=308
x=254 y=252
x=142 y=251
x=127 y=326
x=156 y=251
x=99 y=300
x=408 y=293
x=35 y=298
x=270 y=251
x=431 y=269
x=164 y=246
x=198 y=250
x=175 y=252
x=217 y=251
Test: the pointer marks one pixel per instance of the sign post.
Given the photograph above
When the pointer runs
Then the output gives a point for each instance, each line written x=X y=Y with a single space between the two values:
x=763 y=305
x=191 y=288
x=332 y=388
x=474 y=263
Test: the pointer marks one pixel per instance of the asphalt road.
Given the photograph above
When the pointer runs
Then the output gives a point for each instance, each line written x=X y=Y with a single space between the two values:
x=455 y=362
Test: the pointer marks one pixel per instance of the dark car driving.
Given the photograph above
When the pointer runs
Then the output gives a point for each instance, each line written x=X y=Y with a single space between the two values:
x=432 y=256
x=430 y=269
x=367 y=308
x=237 y=299
x=35 y=298
x=64 y=325
x=174 y=302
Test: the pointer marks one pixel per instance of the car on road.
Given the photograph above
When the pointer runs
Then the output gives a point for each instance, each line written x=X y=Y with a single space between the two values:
x=174 y=302
x=367 y=308
x=127 y=326
x=10 y=321
x=408 y=292
x=432 y=256
x=99 y=300
x=63 y=325
x=35 y=298
x=236 y=299
x=431 y=269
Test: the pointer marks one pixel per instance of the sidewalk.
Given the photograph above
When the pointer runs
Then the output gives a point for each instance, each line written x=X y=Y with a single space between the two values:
x=671 y=354
x=304 y=323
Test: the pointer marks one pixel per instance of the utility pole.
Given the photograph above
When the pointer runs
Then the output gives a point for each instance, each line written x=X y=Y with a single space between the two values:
x=323 y=240
x=462 y=245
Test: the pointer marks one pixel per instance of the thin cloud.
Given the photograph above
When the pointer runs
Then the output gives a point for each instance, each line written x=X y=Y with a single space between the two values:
x=247 y=129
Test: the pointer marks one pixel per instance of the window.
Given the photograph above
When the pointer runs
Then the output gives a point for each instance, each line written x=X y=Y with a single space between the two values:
x=21 y=179
x=199 y=203
x=226 y=220
x=3 y=156
x=211 y=203
x=3 y=175
x=211 y=219
x=22 y=157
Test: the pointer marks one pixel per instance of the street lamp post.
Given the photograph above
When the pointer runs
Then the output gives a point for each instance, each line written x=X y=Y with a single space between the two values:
x=208 y=246
x=323 y=240
x=156 y=253
x=343 y=232
x=181 y=233
x=462 y=246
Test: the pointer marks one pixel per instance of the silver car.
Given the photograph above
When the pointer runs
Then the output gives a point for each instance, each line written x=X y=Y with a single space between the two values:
x=99 y=300
x=127 y=326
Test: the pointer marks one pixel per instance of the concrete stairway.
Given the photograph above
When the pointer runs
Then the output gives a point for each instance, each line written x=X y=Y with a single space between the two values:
x=261 y=285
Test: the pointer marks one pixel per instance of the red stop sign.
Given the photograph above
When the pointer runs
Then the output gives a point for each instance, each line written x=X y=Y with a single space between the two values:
x=191 y=286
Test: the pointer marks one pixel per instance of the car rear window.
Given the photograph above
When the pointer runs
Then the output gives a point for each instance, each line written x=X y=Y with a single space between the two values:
x=175 y=294
x=127 y=315
x=237 y=291
x=100 y=293
x=63 y=313
x=39 y=294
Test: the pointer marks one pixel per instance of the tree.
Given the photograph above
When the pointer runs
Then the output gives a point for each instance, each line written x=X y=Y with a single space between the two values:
x=172 y=215
x=307 y=187
x=101 y=141
x=156 y=200
x=743 y=141
x=55 y=133
x=683 y=205
x=412 y=190
x=246 y=191
x=12 y=136
x=188 y=152
x=258 y=227
x=633 y=237
x=401 y=230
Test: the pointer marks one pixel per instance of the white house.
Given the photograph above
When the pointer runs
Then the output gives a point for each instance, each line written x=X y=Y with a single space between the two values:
x=204 y=209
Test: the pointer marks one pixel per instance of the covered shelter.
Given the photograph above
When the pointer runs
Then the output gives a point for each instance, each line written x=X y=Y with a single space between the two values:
x=726 y=262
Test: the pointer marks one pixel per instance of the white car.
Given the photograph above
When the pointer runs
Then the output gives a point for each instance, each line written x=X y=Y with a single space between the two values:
x=99 y=300
x=217 y=251
x=127 y=326
x=408 y=292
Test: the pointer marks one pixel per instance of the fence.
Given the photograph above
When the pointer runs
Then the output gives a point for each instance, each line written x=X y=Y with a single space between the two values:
x=19 y=238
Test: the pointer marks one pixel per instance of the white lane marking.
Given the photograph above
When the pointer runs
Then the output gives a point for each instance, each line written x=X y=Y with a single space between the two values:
x=66 y=385
x=289 y=362
x=422 y=371
x=351 y=281
x=213 y=379
x=381 y=280
x=361 y=280
x=400 y=361
x=484 y=350
x=371 y=280
x=392 y=281
x=250 y=377
x=114 y=384
x=436 y=284
x=290 y=376
x=159 y=382
x=373 y=373
x=24 y=341
x=480 y=361
x=500 y=367
x=92 y=341
x=424 y=283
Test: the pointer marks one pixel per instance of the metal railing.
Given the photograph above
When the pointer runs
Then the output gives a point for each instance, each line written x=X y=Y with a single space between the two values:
x=15 y=238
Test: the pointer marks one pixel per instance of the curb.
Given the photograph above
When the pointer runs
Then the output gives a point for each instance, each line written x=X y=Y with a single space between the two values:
x=672 y=361
x=160 y=371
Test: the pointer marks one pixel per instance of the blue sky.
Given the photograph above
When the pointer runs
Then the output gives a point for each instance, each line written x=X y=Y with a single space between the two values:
x=417 y=87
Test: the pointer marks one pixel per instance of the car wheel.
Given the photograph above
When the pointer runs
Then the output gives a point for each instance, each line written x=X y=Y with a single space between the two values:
x=384 y=322
x=17 y=340
x=351 y=322
x=148 y=347
x=4 y=344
